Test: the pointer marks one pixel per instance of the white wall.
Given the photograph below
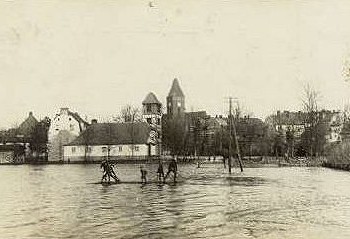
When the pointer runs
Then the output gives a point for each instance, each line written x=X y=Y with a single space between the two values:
x=64 y=121
x=101 y=150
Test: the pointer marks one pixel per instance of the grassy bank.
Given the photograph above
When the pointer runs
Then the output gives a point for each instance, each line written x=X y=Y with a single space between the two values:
x=338 y=157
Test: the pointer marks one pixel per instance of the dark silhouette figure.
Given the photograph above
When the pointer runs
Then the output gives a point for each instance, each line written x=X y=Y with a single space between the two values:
x=160 y=172
x=108 y=172
x=143 y=174
x=172 y=168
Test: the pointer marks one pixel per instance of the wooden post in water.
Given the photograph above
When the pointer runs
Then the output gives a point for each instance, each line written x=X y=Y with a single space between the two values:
x=230 y=145
x=233 y=130
x=237 y=147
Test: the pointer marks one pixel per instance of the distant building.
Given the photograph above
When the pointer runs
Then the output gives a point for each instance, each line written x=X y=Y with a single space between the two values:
x=286 y=121
x=175 y=100
x=111 y=140
x=152 y=114
x=15 y=143
x=27 y=127
x=334 y=123
x=65 y=127
x=252 y=136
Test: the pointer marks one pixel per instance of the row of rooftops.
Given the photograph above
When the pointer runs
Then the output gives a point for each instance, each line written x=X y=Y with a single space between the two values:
x=300 y=118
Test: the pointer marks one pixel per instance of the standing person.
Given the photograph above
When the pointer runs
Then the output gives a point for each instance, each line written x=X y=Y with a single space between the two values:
x=108 y=172
x=160 y=171
x=143 y=174
x=112 y=173
x=172 y=168
x=105 y=167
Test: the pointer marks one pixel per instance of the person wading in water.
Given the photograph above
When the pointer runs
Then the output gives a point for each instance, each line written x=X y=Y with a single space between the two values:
x=172 y=168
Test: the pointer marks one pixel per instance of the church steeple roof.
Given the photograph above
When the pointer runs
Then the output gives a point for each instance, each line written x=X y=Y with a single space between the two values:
x=151 y=99
x=175 y=89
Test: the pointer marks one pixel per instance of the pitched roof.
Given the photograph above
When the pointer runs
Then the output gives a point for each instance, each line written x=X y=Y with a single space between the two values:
x=175 y=89
x=114 y=134
x=77 y=117
x=27 y=127
x=151 y=99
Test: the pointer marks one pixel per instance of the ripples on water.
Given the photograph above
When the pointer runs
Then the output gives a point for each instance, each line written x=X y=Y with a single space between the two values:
x=63 y=201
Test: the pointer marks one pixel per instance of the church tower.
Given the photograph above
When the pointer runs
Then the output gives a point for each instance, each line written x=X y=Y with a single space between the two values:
x=175 y=100
x=152 y=114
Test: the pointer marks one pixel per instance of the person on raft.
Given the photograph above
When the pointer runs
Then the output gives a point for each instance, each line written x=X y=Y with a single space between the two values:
x=160 y=171
x=172 y=168
x=143 y=174
x=108 y=172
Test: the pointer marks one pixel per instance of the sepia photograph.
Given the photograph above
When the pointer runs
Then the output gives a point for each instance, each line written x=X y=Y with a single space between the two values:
x=174 y=119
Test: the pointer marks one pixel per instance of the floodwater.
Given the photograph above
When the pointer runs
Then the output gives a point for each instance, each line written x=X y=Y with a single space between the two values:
x=65 y=201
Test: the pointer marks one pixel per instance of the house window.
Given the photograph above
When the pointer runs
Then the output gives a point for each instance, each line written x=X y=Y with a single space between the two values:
x=104 y=149
x=89 y=149
x=71 y=127
x=137 y=148
x=120 y=148
x=73 y=149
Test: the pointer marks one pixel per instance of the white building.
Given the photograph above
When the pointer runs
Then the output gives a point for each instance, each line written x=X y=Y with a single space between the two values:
x=64 y=128
x=112 y=140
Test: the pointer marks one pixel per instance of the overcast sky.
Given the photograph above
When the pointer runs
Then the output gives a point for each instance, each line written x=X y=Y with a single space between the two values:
x=96 y=56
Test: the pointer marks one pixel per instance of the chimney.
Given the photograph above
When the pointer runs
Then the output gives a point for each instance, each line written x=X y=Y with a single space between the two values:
x=94 y=121
x=64 y=110
x=30 y=113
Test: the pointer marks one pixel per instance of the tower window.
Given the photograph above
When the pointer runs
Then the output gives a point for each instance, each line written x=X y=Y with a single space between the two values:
x=148 y=108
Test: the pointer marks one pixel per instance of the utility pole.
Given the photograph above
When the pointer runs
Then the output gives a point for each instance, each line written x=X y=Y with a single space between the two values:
x=233 y=130
x=230 y=145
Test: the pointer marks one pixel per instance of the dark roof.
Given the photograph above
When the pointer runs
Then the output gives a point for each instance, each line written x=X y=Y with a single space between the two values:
x=27 y=127
x=151 y=99
x=290 y=118
x=77 y=117
x=175 y=89
x=196 y=115
x=114 y=134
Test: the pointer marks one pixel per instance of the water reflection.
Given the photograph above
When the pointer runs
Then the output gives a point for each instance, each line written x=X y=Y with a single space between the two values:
x=64 y=201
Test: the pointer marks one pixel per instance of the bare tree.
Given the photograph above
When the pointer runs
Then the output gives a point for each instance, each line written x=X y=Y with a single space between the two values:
x=130 y=115
x=310 y=103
